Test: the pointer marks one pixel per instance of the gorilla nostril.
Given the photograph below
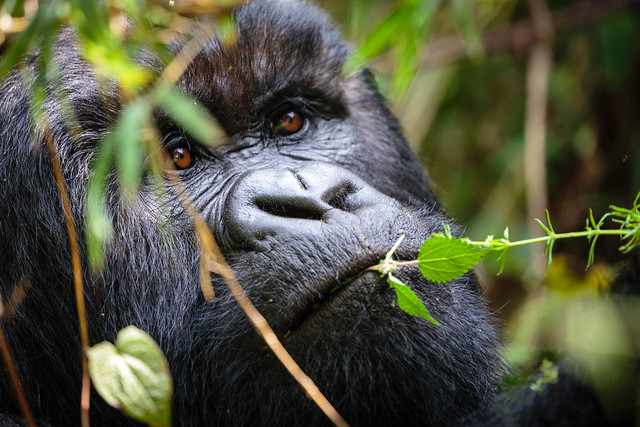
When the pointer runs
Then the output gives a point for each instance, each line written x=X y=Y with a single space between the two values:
x=293 y=204
x=297 y=208
x=337 y=197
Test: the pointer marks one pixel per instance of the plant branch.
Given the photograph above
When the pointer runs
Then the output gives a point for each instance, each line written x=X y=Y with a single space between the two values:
x=77 y=276
x=502 y=244
x=217 y=264
x=554 y=236
x=13 y=373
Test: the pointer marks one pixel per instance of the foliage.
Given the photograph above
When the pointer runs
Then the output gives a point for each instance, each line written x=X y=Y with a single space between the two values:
x=111 y=36
x=133 y=375
x=408 y=301
x=404 y=32
x=473 y=139
x=132 y=139
x=549 y=375
x=444 y=257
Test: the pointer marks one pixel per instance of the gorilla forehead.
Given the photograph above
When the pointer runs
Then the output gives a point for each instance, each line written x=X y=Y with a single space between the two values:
x=282 y=49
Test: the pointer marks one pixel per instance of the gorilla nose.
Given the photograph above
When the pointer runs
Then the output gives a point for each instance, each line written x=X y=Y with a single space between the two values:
x=291 y=203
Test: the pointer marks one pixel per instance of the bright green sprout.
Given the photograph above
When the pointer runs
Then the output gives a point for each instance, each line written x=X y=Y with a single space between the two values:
x=443 y=257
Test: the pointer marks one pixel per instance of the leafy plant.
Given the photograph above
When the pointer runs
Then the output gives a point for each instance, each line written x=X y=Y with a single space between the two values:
x=133 y=375
x=408 y=301
x=549 y=375
x=403 y=33
x=443 y=257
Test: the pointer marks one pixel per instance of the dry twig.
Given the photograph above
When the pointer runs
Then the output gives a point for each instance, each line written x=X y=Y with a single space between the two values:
x=77 y=276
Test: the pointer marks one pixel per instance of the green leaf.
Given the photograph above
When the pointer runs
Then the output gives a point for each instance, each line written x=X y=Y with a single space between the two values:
x=46 y=21
x=470 y=31
x=133 y=376
x=415 y=32
x=98 y=224
x=408 y=301
x=127 y=136
x=443 y=258
x=406 y=53
x=94 y=18
x=194 y=119
x=385 y=33
x=358 y=16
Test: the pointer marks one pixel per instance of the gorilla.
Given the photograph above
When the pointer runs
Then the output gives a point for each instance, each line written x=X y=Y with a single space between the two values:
x=314 y=184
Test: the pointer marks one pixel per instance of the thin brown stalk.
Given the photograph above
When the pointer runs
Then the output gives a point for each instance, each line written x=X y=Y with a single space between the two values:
x=77 y=277
x=213 y=260
x=18 y=294
x=13 y=373
x=538 y=71
x=216 y=263
x=181 y=61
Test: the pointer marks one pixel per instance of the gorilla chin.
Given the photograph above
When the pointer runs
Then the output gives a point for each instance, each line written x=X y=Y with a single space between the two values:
x=315 y=184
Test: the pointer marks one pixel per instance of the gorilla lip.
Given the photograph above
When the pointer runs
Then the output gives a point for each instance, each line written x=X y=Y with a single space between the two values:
x=327 y=292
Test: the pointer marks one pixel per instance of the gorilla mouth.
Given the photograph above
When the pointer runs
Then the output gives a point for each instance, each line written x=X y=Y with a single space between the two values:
x=328 y=293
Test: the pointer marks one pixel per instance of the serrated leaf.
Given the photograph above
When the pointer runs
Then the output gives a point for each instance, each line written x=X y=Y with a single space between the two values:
x=133 y=376
x=443 y=258
x=408 y=301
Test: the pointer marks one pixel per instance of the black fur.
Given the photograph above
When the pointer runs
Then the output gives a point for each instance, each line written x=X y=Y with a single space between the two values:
x=375 y=363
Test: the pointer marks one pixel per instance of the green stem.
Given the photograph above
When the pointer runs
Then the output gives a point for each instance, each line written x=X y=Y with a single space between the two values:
x=393 y=249
x=554 y=236
x=502 y=243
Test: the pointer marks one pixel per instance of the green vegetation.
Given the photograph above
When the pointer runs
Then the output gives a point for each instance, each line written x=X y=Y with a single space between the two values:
x=133 y=375
x=444 y=257
x=463 y=106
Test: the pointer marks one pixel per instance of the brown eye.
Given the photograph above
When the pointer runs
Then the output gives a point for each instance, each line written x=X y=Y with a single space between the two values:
x=288 y=124
x=181 y=157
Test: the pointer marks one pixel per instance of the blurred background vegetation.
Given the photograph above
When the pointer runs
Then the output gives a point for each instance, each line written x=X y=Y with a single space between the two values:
x=466 y=107
x=513 y=107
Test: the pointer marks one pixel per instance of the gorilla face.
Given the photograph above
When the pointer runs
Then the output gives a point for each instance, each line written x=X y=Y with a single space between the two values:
x=314 y=184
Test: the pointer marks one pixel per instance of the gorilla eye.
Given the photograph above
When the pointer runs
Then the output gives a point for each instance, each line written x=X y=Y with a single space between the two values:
x=287 y=124
x=181 y=157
